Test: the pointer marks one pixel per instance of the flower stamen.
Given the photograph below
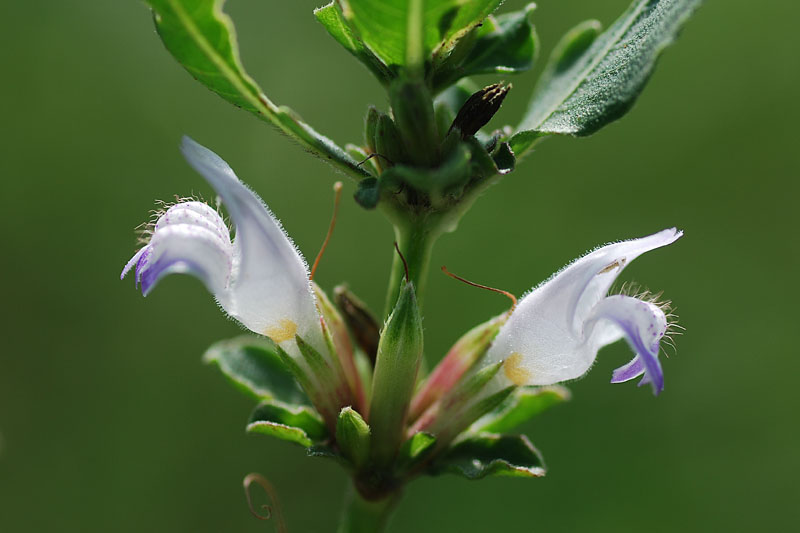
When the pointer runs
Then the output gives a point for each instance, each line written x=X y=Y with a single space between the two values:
x=337 y=190
x=486 y=287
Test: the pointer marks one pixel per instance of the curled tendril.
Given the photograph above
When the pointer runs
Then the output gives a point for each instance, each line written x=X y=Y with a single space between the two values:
x=249 y=479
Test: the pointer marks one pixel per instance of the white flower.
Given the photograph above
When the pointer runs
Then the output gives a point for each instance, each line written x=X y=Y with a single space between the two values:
x=259 y=278
x=554 y=333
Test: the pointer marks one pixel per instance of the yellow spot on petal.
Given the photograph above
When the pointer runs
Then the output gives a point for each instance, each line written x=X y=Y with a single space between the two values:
x=283 y=331
x=514 y=371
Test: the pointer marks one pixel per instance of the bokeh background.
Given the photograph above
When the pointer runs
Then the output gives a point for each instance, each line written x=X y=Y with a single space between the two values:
x=109 y=421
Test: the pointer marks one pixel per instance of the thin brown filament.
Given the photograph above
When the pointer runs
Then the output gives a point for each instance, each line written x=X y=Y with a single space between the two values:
x=337 y=190
x=273 y=496
x=486 y=287
x=370 y=156
x=405 y=264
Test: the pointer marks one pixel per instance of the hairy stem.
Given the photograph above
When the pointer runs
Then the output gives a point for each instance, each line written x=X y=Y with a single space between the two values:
x=363 y=516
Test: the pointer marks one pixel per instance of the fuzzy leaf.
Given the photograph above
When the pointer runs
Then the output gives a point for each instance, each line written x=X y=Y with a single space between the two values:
x=298 y=424
x=503 y=44
x=581 y=93
x=492 y=455
x=253 y=365
x=524 y=404
x=203 y=39
x=383 y=24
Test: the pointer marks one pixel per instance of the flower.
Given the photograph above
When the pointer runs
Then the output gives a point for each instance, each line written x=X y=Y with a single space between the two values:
x=260 y=278
x=555 y=332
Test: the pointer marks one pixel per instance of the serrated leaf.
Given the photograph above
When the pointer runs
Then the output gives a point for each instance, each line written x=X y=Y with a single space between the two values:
x=524 y=404
x=383 y=25
x=332 y=19
x=492 y=455
x=503 y=44
x=299 y=424
x=253 y=365
x=203 y=39
x=581 y=94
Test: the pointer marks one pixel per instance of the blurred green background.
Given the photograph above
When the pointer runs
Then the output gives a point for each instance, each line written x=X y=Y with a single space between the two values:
x=109 y=421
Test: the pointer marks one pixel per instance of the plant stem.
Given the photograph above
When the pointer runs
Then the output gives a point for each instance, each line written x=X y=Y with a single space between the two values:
x=415 y=239
x=363 y=516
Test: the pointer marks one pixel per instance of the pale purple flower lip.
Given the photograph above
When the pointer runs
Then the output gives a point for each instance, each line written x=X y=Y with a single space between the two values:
x=555 y=332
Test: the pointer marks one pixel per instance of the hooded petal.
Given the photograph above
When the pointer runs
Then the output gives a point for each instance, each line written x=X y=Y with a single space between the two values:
x=643 y=325
x=270 y=292
x=543 y=341
x=189 y=238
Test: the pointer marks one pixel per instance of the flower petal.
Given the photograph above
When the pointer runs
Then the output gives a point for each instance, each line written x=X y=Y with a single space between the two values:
x=270 y=291
x=629 y=371
x=195 y=213
x=185 y=248
x=543 y=341
x=643 y=325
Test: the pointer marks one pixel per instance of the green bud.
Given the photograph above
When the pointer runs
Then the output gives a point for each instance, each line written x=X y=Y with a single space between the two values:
x=470 y=400
x=396 y=368
x=370 y=128
x=341 y=348
x=467 y=351
x=352 y=436
x=412 y=106
x=359 y=319
x=388 y=143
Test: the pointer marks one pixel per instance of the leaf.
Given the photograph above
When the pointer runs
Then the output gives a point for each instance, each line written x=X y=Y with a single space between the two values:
x=203 y=39
x=413 y=450
x=253 y=365
x=524 y=404
x=581 y=93
x=383 y=25
x=502 y=44
x=492 y=455
x=331 y=17
x=299 y=424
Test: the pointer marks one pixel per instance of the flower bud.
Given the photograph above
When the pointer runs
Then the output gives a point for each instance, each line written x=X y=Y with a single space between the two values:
x=461 y=357
x=359 y=320
x=396 y=368
x=479 y=109
x=388 y=144
x=352 y=436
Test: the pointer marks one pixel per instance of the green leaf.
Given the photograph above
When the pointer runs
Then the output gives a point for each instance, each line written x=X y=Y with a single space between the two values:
x=503 y=44
x=298 y=424
x=331 y=17
x=203 y=39
x=415 y=449
x=383 y=25
x=253 y=365
x=582 y=92
x=524 y=404
x=492 y=455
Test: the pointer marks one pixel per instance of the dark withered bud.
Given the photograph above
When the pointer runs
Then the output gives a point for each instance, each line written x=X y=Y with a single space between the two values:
x=360 y=321
x=479 y=109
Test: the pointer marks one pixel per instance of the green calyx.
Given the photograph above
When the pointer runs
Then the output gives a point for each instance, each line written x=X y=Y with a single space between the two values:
x=395 y=376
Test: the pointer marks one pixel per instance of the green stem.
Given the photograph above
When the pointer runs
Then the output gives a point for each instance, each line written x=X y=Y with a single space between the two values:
x=363 y=516
x=415 y=239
